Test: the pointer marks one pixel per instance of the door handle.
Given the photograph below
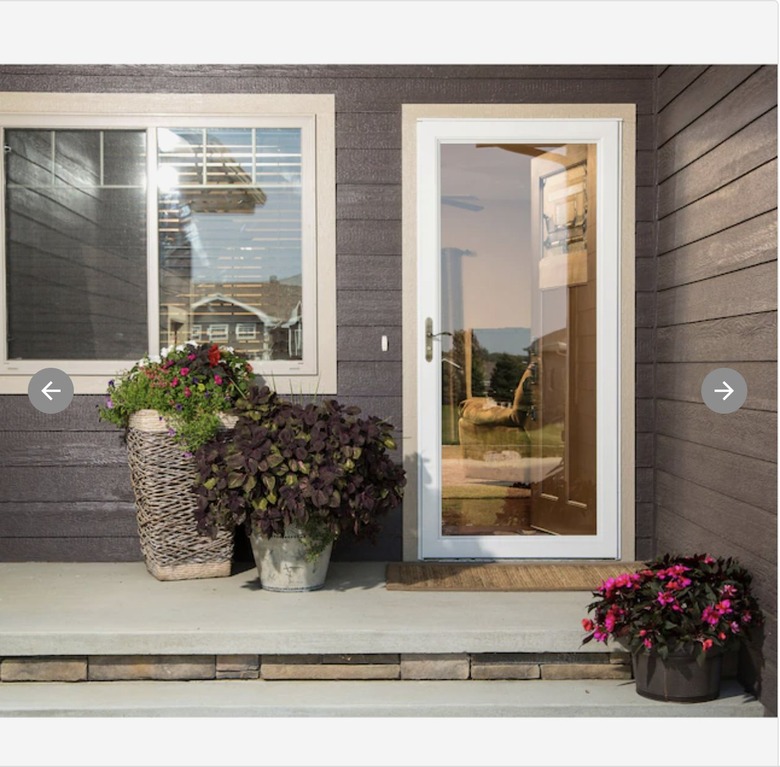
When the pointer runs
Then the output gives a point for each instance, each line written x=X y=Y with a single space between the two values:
x=429 y=336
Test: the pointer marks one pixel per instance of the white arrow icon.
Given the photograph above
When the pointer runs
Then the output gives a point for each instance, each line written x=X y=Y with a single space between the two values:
x=727 y=392
x=46 y=390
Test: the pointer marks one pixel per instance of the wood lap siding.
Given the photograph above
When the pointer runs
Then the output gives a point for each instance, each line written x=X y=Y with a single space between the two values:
x=77 y=502
x=715 y=475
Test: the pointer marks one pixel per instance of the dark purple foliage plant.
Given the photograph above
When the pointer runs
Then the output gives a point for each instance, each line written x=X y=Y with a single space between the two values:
x=319 y=467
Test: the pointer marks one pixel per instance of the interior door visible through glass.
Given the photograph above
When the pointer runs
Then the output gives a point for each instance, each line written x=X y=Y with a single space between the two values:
x=517 y=329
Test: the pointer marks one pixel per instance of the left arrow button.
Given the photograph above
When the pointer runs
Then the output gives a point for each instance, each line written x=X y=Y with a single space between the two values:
x=48 y=382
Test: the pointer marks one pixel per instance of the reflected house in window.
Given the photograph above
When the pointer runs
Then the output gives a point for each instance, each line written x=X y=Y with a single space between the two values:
x=265 y=323
x=230 y=222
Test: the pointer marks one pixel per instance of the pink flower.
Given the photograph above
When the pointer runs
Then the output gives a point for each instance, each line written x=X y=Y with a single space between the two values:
x=729 y=591
x=721 y=635
x=190 y=357
x=599 y=635
x=665 y=598
x=734 y=626
x=587 y=624
x=746 y=617
x=710 y=615
x=187 y=392
x=706 y=644
x=724 y=606
x=218 y=380
x=184 y=371
x=175 y=382
x=647 y=642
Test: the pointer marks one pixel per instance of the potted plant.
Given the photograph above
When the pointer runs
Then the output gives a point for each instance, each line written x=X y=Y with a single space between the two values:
x=676 y=616
x=297 y=476
x=170 y=405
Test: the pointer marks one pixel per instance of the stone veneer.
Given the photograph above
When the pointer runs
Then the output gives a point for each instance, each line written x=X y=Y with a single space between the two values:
x=388 y=666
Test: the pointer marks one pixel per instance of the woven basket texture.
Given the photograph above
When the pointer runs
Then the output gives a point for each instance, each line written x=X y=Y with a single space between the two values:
x=162 y=477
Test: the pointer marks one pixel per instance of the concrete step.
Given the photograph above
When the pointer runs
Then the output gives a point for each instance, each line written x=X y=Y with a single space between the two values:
x=238 y=698
x=118 y=608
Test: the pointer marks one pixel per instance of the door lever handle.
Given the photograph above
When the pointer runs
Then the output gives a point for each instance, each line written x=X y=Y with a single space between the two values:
x=429 y=336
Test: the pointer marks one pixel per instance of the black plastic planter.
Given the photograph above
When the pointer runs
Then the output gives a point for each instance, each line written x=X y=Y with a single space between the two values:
x=679 y=678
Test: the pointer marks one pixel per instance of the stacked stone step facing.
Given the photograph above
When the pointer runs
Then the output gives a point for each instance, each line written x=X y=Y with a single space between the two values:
x=384 y=666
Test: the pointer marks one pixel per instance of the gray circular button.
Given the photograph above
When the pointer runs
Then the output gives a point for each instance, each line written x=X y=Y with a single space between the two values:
x=50 y=390
x=724 y=390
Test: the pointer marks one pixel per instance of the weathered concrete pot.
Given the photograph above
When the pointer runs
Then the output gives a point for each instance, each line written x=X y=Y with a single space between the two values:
x=282 y=564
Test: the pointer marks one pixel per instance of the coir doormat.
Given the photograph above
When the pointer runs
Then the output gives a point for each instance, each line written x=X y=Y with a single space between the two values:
x=443 y=576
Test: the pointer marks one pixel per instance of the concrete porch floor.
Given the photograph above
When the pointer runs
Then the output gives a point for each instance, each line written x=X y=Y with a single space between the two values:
x=64 y=609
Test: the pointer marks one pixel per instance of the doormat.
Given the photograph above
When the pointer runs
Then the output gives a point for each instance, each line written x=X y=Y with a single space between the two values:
x=443 y=576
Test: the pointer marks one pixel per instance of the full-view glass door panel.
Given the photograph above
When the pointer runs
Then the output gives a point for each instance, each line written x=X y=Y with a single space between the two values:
x=516 y=342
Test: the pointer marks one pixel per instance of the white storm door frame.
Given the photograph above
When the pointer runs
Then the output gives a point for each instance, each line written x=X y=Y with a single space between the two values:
x=607 y=135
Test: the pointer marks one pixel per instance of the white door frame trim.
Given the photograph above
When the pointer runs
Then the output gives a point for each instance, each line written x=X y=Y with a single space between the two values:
x=624 y=314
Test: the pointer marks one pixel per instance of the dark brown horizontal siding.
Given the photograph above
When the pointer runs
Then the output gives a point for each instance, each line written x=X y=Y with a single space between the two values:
x=725 y=117
x=96 y=519
x=70 y=549
x=716 y=475
x=750 y=148
x=733 y=339
x=749 y=243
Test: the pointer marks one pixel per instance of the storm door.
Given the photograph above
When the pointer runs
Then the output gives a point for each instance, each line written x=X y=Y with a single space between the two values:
x=518 y=326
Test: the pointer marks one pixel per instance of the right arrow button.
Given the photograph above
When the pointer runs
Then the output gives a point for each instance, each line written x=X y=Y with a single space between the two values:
x=724 y=390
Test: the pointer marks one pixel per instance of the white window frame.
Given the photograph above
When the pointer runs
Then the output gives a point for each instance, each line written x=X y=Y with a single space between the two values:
x=218 y=332
x=315 y=114
x=196 y=332
x=246 y=331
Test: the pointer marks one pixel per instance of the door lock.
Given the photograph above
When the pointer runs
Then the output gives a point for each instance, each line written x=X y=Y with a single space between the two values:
x=429 y=336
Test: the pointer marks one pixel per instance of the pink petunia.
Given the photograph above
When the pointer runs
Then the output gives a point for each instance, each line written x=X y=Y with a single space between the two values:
x=187 y=392
x=190 y=357
x=218 y=380
x=184 y=371
x=175 y=382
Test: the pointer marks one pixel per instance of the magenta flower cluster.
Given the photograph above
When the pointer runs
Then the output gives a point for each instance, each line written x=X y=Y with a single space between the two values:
x=697 y=602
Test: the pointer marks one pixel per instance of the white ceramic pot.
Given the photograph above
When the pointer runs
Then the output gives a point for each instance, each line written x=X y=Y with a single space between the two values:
x=282 y=564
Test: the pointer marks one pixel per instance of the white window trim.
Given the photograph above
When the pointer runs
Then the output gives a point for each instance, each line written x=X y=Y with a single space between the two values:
x=246 y=331
x=218 y=332
x=317 y=372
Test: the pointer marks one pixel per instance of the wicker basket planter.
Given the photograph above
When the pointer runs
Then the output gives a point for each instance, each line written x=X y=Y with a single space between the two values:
x=162 y=476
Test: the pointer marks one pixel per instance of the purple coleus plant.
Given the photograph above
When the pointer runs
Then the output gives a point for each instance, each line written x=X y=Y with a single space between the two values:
x=316 y=465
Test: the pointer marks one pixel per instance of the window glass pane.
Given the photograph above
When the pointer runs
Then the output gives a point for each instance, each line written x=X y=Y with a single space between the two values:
x=75 y=246
x=231 y=238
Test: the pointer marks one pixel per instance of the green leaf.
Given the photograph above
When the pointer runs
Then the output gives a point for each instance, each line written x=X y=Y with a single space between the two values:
x=274 y=460
x=269 y=481
x=250 y=483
